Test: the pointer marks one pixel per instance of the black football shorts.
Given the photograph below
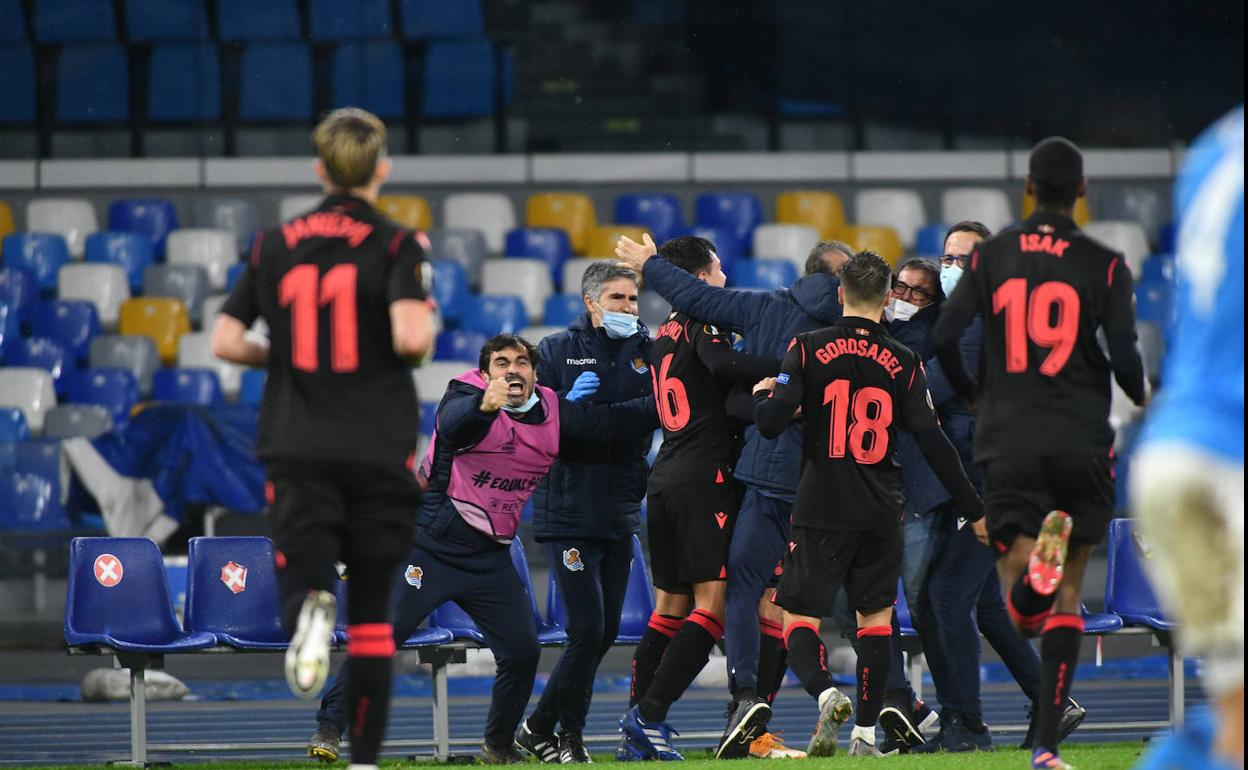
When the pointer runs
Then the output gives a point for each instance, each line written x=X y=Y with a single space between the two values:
x=1020 y=491
x=690 y=526
x=866 y=561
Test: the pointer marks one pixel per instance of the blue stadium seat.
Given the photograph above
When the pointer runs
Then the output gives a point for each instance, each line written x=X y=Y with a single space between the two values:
x=276 y=83
x=440 y=19
x=451 y=617
x=562 y=309
x=17 y=83
x=1159 y=268
x=728 y=246
x=10 y=330
x=93 y=84
x=428 y=417
x=371 y=76
x=548 y=634
x=929 y=241
x=459 y=345
x=70 y=322
x=549 y=244
x=13 y=30
x=154 y=21
x=1128 y=593
x=244 y=20
x=29 y=502
x=12 y=425
x=232 y=592
x=236 y=271
x=658 y=213
x=131 y=252
x=1154 y=300
x=638 y=600
x=1099 y=623
x=738 y=212
x=49 y=355
x=902 y=608
x=117 y=390
x=459 y=79
x=19 y=291
x=1167 y=238
x=251 y=387
x=184 y=83
x=74 y=21
x=187 y=386
x=358 y=20
x=450 y=289
x=40 y=254
x=151 y=217
x=763 y=274
x=493 y=314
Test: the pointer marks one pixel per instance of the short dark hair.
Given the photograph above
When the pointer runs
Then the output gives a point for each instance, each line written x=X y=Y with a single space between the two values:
x=503 y=342
x=815 y=263
x=928 y=266
x=968 y=226
x=866 y=277
x=688 y=252
x=1056 y=170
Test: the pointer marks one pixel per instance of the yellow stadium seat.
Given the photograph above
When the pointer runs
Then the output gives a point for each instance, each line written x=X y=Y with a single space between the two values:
x=6 y=220
x=574 y=212
x=882 y=240
x=162 y=319
x=1083 y=215
x=602 y=239
x=818 y=208
x=408 y=210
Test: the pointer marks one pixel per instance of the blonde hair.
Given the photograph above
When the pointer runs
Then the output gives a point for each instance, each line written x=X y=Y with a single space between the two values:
x=350 y=141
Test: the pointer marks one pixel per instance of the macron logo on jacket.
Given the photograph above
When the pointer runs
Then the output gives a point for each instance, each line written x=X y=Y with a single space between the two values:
x=581 y=361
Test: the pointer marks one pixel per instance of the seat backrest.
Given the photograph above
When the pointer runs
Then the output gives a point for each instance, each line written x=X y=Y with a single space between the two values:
x=638 y=597
x=71 y=218
x=19 y=291
x=459 y=345
x=463 y=245
x=10 y=329
x=243 y=20
x=549 y=244
x=653 y=310
x=658 y=213
x=185 y=282
x=881 y=239
x=30 y=502
x=117 y=588
x=572 y=212
x=536 y=334
x=561 y=309
x=493 y=314
x=40 y=254
x=521 y=562
x=104 y=286
x=184 y=83
x=238 y=215
x=74 y=21
x=981 y=204
x=1128 y=592
x=213 y=250
x=132 y=252
x=276 y=82
x=29 y=389
x=527 y=278
x=134 y=353
x=154 y=218
x=1128 y=238
x=77 y=420
x=432 y=377
x=72 y=323
x=760 y=273
x=209 y=310
x=292 y=206
x=251 y=386
x=820 y=209
x=150 y=21
x=1149 y=206
x=491 y=213
x=12 y=425
x=359 y=20
x=116 y=390
x=17 y=83
x=929 y=241
x=232 y=588
x=437 y=19
x=372 y=76
x=410 y=211
x=161 y=319
x=739 y=212
x=602 y=239
x=786 y=241
x=450 y=288
x=195 y=352
x=574 y=274
x=728 y=246
x=187 y=386
x=901 y=210
x=49 y=355
x=93 y=84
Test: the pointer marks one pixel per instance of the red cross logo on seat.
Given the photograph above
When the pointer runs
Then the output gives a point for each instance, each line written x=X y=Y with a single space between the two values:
x=108 y=570
x=234 y=576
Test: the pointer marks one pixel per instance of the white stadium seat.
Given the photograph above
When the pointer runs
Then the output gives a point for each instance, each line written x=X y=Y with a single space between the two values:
x=188 y=283
x=1125 y=237
x=491 y=213
x=214 y=250
x=791 y=242
x=901 y=210
x=292 y=206
x=528 y=279
x=573 y=272
x=432 y=377
x=535 y=334
x=195 y=352
x=982 y=204
x=237 y=215
x=72 y=218
x=104 y=286
x=208 y=311
x=653 y=310
x=29 y=389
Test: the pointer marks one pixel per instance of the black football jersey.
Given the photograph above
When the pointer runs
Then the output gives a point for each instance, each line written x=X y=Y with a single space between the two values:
x=856 y=386
x=1044 y=290
x=323 y=283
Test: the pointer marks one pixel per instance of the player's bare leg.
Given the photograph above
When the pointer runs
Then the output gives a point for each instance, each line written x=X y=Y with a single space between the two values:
x=808 y=657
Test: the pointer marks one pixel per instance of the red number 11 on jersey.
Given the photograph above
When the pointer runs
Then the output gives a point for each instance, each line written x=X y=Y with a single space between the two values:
x=305 y=292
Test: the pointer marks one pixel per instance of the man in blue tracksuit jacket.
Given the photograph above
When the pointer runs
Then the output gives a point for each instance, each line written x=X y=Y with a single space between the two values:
x=769 y=468
x=588 y=508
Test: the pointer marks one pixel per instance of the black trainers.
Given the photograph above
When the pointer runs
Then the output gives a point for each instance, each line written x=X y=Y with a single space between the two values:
x=900 y=733
x=500 y=755
x=747 y=721
x=943 y=738
x=572 y=749
x=1072 y=716
x=325 y=742
x=544 y=747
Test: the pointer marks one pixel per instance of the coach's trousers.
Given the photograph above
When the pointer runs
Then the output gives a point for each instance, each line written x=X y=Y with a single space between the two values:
x=758 y=545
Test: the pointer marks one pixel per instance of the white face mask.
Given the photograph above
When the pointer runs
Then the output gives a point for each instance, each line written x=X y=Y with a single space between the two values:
x=900 y=310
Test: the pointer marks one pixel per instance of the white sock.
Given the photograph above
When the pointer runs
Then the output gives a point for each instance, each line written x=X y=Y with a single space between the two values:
x=863 y=733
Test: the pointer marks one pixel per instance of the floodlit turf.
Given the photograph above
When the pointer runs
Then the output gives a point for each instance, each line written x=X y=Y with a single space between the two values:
x=1109 y=756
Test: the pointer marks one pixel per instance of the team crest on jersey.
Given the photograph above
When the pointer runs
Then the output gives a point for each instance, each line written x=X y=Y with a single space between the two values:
x=413 y=575
x=862 y=331
x=572 y=560
x=639 y=365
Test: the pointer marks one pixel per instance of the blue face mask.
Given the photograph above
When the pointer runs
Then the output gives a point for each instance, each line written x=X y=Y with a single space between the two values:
x=526 y=406
x=949 y=277
x=618 y=325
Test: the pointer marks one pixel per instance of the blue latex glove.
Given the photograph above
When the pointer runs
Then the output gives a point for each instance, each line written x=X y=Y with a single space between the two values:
x=586 y=385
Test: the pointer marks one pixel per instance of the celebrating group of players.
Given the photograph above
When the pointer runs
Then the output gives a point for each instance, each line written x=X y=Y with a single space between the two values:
x=779 y=466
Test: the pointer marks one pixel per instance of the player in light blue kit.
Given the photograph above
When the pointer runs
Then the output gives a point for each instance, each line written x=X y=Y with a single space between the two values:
x=1188 y=478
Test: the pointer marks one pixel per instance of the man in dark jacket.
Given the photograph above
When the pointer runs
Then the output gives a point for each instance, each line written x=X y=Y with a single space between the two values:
x=589 y=507
x=769 y=468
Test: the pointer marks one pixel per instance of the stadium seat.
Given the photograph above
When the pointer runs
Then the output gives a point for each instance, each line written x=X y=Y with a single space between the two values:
x=451 y=617
x=72 y=323
x=209 y=309
x=19 y=292
x=13 y=426
x=638 y=600
x=371 y=76
x=236 y=271
x=77 y=421
x=573 y=212
x=14 y=27
x=791 y=242
x=548 y=634
x=901 y=210
x=232 y=592
x=360 y=20
x=71 y=218
x=116 y=390
x=187 y=283
x=562 y=309
x=1099 y=623
x=1128 y=592
x=547 y=244
x=1083 y=215
x=244 y=20
x=292 y=206
x=574 y=274
x=10 y=330
x=764 y=274
x=1149 y=206
x=657 y=213
x=653 y=310
x=29 y=502
x=460 y=79
x=819 y=209
x=17 y=83
x=195 y=352
x=428 y=418
x=74 y=21
x=6 y=216
x=93 y=84
x=1127 y=238
x=432 y=377
x=237 y=215
x=154 y=218
x=213 y=250
x=450 y=289
x=155 y=21
x=738 y=212
x=49 y=355
x=463 y=245
x=495 y=314
x=161 y=319
x=39 y=254
x=602 y=239
x=132 y=252
x=187 y=386
x=929 y=241
x=491 y=213
x=251 y=386
x=184 y=83
x=878 y=238
x=1167 y=238
x=29 y=389
x=728 y=247
x=276 y=82
x=104 y=286
x=459 y=345
x=438 y=19
x=410 y=211
x=527 y=278
x=536 y=334
x=982 y=204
